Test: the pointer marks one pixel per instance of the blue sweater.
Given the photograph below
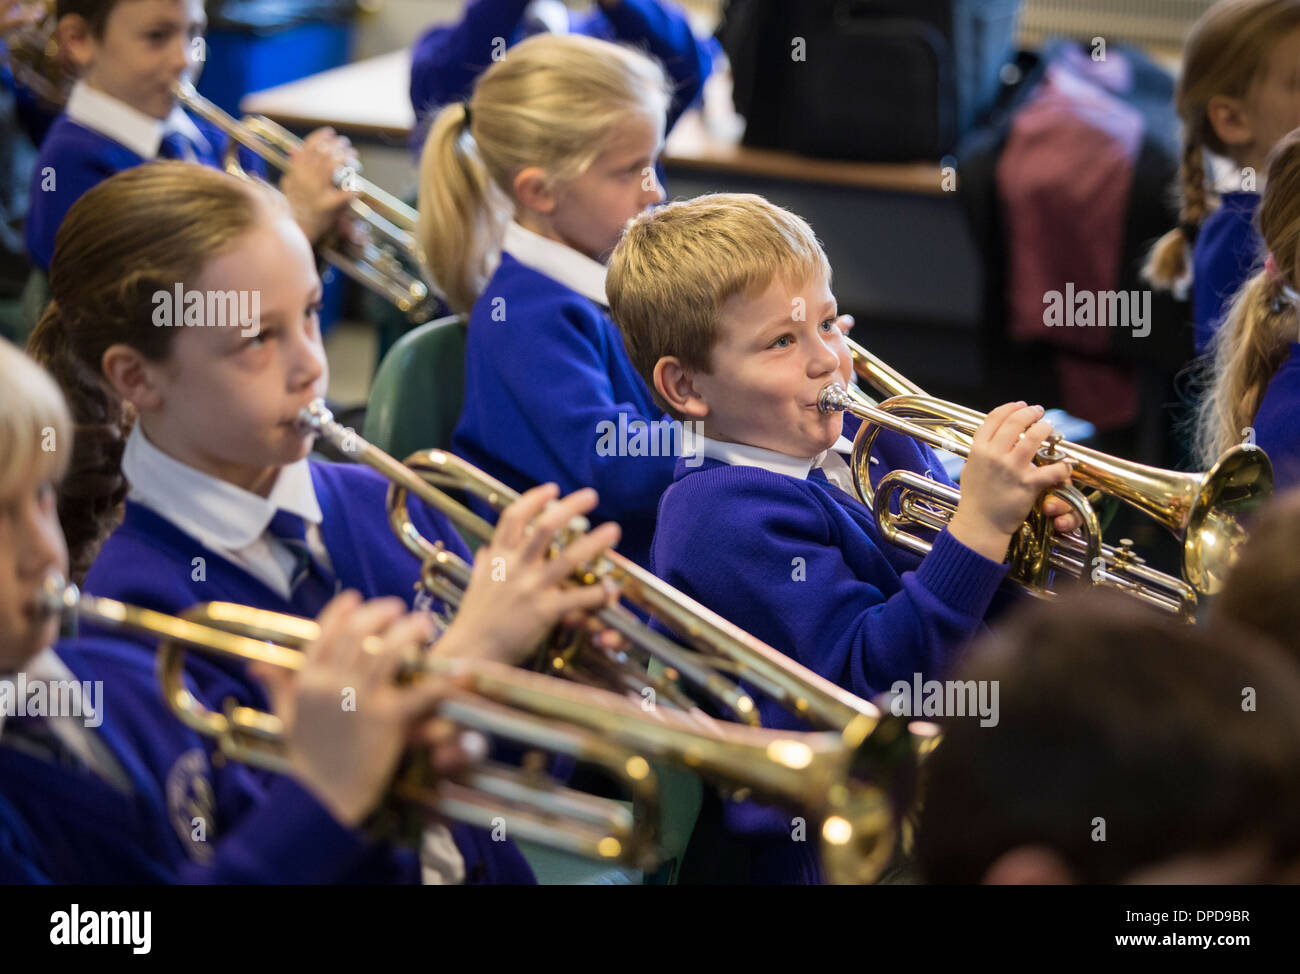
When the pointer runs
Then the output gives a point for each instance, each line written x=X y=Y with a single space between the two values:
x=1277 y=423
x=150 y=562
x=1228 y=250
x=448 y=58
x=63 y=826
x=800 y=565
x=76 y=159
x=538 y=386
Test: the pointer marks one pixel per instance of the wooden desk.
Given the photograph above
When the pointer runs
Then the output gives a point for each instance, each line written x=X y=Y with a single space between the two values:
x=369 y=101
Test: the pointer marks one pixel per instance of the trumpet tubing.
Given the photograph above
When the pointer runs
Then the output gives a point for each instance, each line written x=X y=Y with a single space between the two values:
x=712 y=644
x=1203 y=511
x=386 y=218
x=851 y=783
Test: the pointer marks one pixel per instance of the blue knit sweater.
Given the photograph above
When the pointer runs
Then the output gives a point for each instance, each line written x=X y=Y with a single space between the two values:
x=545 y=372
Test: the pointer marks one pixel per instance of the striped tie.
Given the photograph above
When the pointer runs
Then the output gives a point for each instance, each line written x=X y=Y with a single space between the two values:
x=36 y=736
x=311 y=585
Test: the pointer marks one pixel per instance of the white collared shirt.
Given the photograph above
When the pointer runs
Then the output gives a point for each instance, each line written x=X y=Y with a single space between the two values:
x=142 y=134
x=831 y=462
x=72 y=730
x=557 y=261
x=227 y=519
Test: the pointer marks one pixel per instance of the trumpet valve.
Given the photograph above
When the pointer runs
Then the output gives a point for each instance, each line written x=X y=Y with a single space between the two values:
x=1124 y=556
x=1050 y=451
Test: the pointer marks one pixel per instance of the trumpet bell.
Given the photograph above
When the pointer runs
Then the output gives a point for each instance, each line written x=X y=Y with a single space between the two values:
x=1236 y=485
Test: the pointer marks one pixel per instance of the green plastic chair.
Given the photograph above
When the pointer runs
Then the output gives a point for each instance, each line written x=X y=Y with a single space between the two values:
x=419 y=389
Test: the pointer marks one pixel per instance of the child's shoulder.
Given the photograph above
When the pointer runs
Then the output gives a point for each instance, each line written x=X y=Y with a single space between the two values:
x=69 y=142
x=717 y=497
x=1230 y=226
x=523 y=296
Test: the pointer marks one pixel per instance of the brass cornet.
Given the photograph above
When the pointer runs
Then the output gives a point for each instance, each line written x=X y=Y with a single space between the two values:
x=33 y=57
x=389 y=223
x=711 y=650
x=852 y=784
x=1202 y=510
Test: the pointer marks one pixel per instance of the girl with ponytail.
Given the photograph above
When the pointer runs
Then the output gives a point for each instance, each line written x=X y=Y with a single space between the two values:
x=221 y=501
x=1255 y=390
x=524 y=191
x=1237 y=96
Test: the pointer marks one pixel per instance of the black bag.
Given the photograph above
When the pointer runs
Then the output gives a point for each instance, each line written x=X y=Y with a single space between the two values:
x=875 y=80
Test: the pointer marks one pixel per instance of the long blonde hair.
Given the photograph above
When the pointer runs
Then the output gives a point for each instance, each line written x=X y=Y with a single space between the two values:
x=1226 y=54
x=1263 y=320
x=35 y=426
x=140 y=231
x=551 y=102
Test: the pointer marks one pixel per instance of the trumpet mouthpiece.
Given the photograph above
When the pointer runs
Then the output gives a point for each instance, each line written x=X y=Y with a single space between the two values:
x=833 y=398
x=315 y=416
x=56 y=595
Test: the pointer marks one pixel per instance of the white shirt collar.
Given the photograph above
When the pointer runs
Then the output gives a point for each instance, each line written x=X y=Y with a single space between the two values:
x=44 y=667
x=141 y=133
x=742 y=454
x=558 y=261
x=221 y=516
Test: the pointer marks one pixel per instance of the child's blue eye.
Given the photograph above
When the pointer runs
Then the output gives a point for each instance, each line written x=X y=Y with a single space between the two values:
x=782 y=342
x=828 y=324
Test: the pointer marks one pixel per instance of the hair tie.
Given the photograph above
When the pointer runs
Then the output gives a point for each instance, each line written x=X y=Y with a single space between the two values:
x=1286 y=295
x=468 y=117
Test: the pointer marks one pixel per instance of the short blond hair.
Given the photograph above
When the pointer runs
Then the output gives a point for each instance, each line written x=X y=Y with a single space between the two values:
x=35 y=426
x=677 y=265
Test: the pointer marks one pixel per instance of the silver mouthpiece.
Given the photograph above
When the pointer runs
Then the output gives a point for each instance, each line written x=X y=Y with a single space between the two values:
x=833 y=399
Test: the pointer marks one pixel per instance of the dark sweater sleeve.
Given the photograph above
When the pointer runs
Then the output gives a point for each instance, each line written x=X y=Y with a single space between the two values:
x=767 y=555
x=666 y=34
x=448 y=58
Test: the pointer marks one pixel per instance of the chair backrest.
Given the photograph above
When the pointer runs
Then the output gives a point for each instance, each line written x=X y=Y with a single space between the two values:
x=419 y=389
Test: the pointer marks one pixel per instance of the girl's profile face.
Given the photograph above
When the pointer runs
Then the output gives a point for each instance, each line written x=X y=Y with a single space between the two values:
x=229 y=394
x=592 y=210
x=1272 y=108
x=31 y=546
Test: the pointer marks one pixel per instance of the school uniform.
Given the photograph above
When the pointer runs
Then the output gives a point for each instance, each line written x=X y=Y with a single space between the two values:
x=448 y=58
x=189 y=538
x=84 y=804
x=550 y=394
x=781 y=546
x=1228 y=251
x=1277 y=422
x=98 y=136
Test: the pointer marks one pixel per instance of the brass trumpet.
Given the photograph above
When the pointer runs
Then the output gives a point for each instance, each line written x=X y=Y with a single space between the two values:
x=34 y=59
x=712 y=645
x=1202 y=510
x=389 y=223
x=852 y=783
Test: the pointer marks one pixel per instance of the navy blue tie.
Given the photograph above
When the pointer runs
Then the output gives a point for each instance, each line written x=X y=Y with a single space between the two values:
x=175 y=146
x=311 y=585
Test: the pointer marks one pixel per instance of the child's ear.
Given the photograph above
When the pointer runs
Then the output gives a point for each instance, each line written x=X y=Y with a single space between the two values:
x=676 y=386
x=533 y=189
x=76 y=40
x=131 y=376
x=1230 y=121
